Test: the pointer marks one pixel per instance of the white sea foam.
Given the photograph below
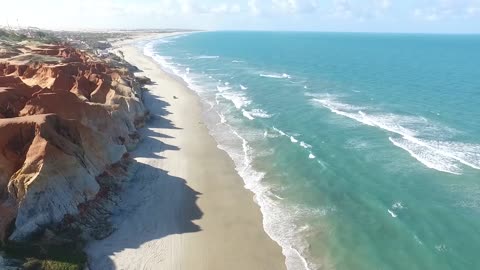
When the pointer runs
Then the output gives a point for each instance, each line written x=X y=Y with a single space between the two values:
x=210 y=104
x=322 y=164
x=223 y=88
x=227 y=83
x=162 y=60
x=247 y=115
x=428 y=158
x=293 y=247
x=237 y=61
x=417 y=239
x=260 y=113
x=305 y=145
x=338 y=107
x=205 y=57
x=441 y=247
x=397 y=205
x=301 y=143
x=276 y=196
x=279 y=131
x=246 y=153
x=392 y=213
x=243 y=87
x=276 y=75
x=255 y=113
x=275 y=212
x=303 y=260
x=171 y=68
x=238 y=99
x=223 y=120
x=438 y=154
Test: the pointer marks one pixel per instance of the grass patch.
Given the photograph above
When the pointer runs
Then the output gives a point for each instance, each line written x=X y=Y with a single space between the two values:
x=28 y=34
x=35 y=264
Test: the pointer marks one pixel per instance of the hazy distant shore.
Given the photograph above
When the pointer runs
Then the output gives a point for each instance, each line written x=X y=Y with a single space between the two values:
x=186 y=207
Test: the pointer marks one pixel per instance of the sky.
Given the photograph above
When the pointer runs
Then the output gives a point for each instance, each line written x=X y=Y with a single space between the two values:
x=426 y=16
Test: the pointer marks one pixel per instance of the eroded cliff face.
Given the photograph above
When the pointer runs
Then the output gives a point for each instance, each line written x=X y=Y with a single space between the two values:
x=65 y=118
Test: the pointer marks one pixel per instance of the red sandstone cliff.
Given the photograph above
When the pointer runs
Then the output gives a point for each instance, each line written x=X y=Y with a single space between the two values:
x=63 y=121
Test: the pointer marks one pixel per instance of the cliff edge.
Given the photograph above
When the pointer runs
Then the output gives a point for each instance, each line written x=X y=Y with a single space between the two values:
x=67 y=120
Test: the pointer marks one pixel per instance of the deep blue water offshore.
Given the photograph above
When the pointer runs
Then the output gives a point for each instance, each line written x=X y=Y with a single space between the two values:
x=363 y=150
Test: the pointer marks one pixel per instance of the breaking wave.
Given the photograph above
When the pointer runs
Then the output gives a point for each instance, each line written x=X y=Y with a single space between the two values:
x=275 y=75
x=410 y=133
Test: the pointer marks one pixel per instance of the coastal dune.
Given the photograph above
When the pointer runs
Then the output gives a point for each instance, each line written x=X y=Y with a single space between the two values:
x=185 y=207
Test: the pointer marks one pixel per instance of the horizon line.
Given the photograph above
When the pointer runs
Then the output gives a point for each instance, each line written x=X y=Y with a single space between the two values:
x=173 y=29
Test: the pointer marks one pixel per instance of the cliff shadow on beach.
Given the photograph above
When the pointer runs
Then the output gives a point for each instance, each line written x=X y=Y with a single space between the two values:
x=154 y=204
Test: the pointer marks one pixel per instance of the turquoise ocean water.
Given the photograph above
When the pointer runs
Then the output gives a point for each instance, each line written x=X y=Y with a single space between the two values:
x=363 y=150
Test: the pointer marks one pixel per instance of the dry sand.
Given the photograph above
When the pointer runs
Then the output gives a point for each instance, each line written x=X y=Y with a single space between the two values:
x=186 y=207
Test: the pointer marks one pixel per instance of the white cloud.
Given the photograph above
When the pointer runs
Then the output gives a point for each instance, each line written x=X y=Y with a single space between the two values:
x=254 y=9
x=235 y=8
x=226 y=8
x=185 y=6
x=342 y=8
x=361 y=11
x=473 y=11
x=430 y=14
x=284 y=5
x=295 y=6
x=448 y=9
x=222 y=8
x=385 y=4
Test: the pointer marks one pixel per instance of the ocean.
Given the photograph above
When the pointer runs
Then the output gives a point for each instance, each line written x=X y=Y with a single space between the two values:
x=362 y=150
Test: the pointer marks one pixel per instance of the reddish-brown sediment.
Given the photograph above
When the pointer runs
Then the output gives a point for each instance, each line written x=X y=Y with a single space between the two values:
x=62 y=124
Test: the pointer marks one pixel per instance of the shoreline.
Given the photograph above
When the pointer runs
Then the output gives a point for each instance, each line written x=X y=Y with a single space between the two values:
x=186 y=206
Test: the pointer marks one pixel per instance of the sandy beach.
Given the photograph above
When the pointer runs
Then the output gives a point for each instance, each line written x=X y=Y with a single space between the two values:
x=185 y=207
